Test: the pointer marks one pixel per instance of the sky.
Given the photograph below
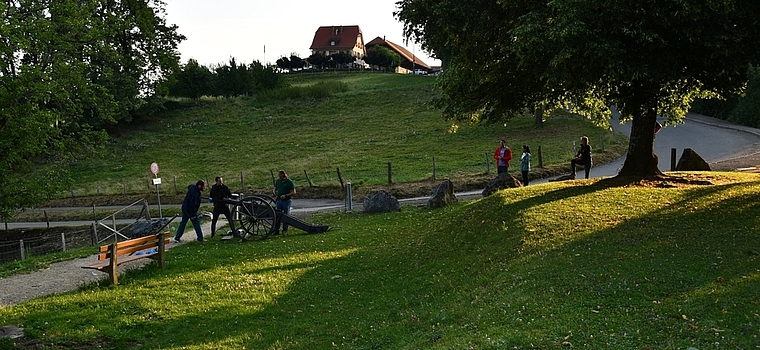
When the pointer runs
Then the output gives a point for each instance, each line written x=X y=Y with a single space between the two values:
x=220 y=29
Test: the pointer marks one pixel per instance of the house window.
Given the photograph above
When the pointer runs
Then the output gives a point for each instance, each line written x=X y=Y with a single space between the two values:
x=337 y=31
x=333 y=42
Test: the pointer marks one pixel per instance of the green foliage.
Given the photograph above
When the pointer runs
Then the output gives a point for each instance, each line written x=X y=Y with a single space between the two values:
x=192 y=81
x=318 y=60
x=561 y=265
x=647 y=58
x=69 y=69
x=383 y=57
x=747 y=111
x=318 y=90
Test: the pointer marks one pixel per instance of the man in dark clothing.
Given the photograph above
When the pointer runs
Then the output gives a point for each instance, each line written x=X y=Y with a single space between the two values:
x=284 y=189
x=582 y=157
x=219 y=192
x=190 y=207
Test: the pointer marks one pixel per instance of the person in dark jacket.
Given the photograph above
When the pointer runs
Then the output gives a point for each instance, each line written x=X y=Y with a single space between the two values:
x=220 y=191
x=190 y=207
x=582 y=157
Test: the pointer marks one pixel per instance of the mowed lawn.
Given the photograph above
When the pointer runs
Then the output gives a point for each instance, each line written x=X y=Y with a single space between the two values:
x=578 y=264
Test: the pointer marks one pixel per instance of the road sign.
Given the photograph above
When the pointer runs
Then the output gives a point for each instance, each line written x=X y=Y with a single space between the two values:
x=154 y=168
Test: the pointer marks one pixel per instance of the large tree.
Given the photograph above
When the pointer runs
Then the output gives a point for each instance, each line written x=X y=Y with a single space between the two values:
x=648 y=57
x=68 y=69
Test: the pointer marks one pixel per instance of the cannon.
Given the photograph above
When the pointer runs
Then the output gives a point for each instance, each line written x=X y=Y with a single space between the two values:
x=256 y=218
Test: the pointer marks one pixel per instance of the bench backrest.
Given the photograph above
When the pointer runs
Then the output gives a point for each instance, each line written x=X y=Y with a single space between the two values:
x=133 y=245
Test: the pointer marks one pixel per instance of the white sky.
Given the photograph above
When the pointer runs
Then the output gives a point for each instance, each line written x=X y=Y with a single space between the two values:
x=220 y=29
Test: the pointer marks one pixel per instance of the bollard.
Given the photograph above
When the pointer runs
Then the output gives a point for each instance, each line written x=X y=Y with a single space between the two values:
x=21 y=247
x=349 y=199
x=63 y=241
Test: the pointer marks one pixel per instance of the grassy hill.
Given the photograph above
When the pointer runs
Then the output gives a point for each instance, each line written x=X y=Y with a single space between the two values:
x=580 y=264
x=355 y=122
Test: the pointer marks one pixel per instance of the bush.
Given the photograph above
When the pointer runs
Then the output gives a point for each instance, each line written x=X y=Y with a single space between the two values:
x=319 y=90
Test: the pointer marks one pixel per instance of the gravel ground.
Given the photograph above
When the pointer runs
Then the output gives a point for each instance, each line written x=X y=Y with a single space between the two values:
x=68 y=275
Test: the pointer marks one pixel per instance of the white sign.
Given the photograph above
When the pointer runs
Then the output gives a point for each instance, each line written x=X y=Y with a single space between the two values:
x=157 y=181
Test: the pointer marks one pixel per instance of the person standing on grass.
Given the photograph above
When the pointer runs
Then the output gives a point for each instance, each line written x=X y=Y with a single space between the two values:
x=220 y=191
x=502 y=155
x=190 y=207
x=284 y=189
x=525 y=164
x=583 y=157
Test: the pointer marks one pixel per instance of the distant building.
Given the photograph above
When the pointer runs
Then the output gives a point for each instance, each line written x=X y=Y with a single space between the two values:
x=409 y=62
x=330 y=40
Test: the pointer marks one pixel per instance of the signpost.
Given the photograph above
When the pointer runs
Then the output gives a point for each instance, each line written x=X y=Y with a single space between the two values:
x=157 y=181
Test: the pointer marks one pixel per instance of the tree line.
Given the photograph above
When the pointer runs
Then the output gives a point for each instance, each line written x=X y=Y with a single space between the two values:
x=377 y=56
x=230 y=79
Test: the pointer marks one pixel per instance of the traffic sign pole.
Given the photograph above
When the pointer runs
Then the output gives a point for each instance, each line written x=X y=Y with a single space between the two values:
x=157 y=181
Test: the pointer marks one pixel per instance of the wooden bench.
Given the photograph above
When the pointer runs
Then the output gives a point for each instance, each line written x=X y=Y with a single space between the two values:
x=113 y=255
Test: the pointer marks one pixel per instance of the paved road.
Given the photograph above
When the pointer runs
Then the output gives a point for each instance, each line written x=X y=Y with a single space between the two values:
x=713 y=139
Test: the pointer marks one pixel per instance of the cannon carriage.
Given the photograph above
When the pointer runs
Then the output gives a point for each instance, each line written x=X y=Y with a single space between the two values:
x=256 y=217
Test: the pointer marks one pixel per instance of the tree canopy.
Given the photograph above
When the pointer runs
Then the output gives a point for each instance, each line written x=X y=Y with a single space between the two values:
x=383 y=57
x=647 y=57
x=67 y=70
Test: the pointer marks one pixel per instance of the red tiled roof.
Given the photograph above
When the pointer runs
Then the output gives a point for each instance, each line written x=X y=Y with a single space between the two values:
x=405 y=54
x=346 y=38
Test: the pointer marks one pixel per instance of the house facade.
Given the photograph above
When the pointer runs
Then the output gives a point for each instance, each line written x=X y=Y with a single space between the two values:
x=330 y=40
x=409 y=62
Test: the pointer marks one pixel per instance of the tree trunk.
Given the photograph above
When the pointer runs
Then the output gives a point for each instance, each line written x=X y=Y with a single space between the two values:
x=538 y=116
x=640 y=159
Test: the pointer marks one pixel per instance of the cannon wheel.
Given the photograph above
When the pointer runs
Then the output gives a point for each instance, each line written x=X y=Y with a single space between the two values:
x=255 y=216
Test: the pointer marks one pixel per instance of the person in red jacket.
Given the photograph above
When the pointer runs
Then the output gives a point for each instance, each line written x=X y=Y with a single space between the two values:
x=502 y=155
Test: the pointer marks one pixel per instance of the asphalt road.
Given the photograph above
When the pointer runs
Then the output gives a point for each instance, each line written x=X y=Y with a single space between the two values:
x=713 y=139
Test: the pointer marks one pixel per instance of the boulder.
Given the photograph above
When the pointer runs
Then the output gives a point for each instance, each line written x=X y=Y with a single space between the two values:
x=380 y=202
x=502 y=181
x=691 y=161
x=143 y=228
x=442 y=196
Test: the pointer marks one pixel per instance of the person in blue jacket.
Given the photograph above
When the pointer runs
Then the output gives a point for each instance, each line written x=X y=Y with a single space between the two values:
x=190 y=207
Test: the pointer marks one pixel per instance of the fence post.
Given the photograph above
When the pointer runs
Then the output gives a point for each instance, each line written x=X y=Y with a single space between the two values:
x=63 y=241
x=390 y=174
x=308 y=178
x=672 y=159
x=340 y=178
x=97 y=189
x=433 y=169
x=46 y=218
x=540 y=157
x=72 y=192
x=175 y=183
x=488 y=164
x=601 y=141
x=124 y=188
x=242 y=180
x=94 y=233
x=206 y=180
x=21 y=247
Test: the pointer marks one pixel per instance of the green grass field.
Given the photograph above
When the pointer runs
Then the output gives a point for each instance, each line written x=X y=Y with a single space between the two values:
x=357 y=123
x=579 y=264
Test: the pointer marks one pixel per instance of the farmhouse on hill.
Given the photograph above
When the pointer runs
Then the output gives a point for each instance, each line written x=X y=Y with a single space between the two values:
x=409 y=62
x=330 y=40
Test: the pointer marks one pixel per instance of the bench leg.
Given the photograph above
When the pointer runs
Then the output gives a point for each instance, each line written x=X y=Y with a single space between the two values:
x=114 y=268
